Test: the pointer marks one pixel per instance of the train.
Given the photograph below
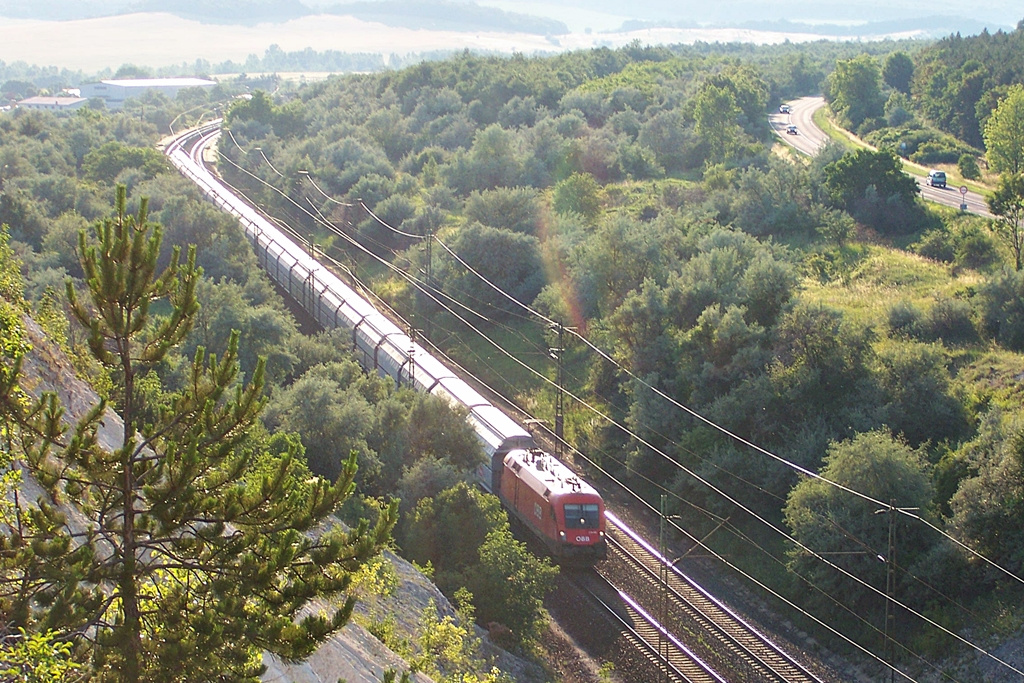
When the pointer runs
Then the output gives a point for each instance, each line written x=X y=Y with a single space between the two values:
x=562 y=510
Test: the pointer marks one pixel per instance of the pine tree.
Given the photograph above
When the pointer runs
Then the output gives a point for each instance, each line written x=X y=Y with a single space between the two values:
x=205 y=535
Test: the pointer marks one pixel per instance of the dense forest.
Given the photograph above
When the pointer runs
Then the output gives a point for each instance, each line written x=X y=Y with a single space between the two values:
x=816 y=309
x=713 y=290
x=938 y=99
x=216 y=327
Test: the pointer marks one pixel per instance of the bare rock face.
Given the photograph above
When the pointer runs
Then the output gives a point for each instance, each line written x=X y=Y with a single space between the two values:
x=46 y=369
x=351 y=655
x=354 y=655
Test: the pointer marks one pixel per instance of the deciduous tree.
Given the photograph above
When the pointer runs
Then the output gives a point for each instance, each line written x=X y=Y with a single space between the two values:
x=873 y=188
x=1004 y=133
x=848 y=178
x=511 y=208
x=898 y=71
x=845 y=529
x=510 y=584
x=579 y=193
x=715 y=117
x=854 y=90
x=1007 y=204
x=519 y=272
x=988 y=506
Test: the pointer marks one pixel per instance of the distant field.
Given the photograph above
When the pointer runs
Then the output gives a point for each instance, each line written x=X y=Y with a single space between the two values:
x=156 y=39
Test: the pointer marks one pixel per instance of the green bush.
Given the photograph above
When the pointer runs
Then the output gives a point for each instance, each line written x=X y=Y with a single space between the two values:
x=1002 y=309
x=935 y=153
x=949 y=320
x=967 y=165
x=871 y=124
x=975 y=248
x=905 y=320
x=937 y=245
x=923 y=145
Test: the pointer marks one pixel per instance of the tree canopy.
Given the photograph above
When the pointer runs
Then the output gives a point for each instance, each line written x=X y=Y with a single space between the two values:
x=854 y=90
x=1004 y=133
x=853 y=536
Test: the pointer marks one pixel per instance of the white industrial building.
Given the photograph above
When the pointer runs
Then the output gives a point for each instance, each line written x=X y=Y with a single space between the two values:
x=115 y=92
x=51 y=103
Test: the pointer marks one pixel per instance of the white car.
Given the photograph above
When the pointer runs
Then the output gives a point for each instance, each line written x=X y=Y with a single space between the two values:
x=791 y=130
x=783 y=108
x=937 y=178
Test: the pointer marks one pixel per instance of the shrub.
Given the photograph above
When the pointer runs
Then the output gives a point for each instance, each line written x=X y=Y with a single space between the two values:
x=923 y=145
x=975 y=248
x=937 y=245
x=871 y=124
x=949 y=320
x=905 y=320
x=936 y=152
x=1002 y=309
x=968 y=167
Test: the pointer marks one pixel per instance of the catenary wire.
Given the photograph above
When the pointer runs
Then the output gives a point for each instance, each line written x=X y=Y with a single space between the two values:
x=323 y=220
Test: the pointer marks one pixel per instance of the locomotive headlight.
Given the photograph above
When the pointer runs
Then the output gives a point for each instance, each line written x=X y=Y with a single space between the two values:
x=601 y=534
x=561 y=535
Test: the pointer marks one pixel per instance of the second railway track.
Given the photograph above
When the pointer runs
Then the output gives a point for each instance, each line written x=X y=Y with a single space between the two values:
x=730 y=644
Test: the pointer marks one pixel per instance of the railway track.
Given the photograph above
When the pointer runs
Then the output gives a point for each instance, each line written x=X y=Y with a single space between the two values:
x=656 y=654
x=692 y=615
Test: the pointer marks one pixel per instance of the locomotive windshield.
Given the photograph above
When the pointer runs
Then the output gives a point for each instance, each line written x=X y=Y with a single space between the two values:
x=585 y=516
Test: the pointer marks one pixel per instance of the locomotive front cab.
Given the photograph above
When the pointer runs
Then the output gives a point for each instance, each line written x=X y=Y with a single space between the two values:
x=581 y=528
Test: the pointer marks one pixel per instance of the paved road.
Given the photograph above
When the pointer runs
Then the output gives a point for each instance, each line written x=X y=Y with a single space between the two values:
x=810 y=138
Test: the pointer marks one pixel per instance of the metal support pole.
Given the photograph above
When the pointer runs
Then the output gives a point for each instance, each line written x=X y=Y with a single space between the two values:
x=556 y=355
x=560 y=393
x=889 y=632
x=430 y=277
x=663 y=572
x=890 y=654
x=412 y=353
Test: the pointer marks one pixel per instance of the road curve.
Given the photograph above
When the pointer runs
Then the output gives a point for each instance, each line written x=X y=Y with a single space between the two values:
x=810 y=138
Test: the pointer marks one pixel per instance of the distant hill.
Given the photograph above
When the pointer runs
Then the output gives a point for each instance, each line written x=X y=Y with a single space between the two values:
x=993 y=13
x=549 y=17
x=246 y=12
x=232 y=11
x=61 y=10
x=211 y=11
x=415 y=14
x=441 y=15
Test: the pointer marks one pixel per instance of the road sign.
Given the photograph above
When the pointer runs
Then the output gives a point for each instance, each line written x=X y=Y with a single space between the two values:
x=963 y=190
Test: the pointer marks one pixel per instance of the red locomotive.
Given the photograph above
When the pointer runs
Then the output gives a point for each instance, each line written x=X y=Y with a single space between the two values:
x=557 y=506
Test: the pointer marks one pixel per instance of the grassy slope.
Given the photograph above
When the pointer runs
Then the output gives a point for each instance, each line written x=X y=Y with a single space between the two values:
x=883 y=275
